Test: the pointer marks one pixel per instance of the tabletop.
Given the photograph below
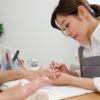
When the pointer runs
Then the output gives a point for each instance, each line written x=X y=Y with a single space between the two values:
x=90 y=96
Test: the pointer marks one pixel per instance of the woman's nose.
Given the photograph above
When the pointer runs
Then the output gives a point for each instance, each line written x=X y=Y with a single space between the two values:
x=67 y=32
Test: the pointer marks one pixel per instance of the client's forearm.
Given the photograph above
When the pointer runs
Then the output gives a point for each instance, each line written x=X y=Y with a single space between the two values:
x=9 y=75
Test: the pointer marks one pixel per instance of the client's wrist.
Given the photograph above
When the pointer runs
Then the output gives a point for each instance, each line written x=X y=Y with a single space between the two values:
x=21 y=73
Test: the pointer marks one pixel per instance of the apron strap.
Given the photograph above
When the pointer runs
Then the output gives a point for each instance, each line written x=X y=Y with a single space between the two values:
x=80 y=52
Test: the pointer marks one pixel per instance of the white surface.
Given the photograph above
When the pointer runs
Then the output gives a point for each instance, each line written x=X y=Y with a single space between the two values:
x=97 y=83
x=61 y=92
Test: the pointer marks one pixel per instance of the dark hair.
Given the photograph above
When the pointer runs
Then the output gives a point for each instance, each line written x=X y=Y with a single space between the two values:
x=70 y=7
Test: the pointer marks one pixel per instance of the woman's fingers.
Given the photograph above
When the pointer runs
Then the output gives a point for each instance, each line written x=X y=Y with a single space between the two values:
x=54 y=65
x=55 y=75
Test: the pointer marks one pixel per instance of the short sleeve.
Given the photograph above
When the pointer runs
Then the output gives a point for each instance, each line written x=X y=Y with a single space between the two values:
x=75 y=66
x=97 y=83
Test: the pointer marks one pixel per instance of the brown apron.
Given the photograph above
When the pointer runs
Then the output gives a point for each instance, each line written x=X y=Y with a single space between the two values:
x=89 y=66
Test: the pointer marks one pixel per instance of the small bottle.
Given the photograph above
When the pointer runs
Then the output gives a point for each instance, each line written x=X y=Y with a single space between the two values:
x=6 y=59
x=33 y=62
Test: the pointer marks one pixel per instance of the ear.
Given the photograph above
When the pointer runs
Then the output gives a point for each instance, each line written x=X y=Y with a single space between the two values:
x=82 y=12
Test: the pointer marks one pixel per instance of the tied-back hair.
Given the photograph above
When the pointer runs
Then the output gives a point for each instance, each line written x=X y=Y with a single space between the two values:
x=70 y=7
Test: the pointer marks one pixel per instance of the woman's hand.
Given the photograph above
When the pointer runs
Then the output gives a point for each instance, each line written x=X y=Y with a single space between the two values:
x=60 y=66
x=62 y=79
x=63 y=68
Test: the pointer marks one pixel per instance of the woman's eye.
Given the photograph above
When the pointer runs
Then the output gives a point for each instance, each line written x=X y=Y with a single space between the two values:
x=67 y=25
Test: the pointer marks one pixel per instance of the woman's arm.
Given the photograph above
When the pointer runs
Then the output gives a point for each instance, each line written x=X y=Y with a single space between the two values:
x=66 y=79
x=86 y=83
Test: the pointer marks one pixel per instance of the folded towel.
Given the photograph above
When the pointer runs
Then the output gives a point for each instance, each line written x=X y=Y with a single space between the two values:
x=38 y=95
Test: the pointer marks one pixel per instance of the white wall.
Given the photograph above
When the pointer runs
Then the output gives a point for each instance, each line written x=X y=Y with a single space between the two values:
x=27 y=27
x=94 y=1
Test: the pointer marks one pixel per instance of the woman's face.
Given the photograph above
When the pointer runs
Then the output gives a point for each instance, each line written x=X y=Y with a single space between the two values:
x=74 y=27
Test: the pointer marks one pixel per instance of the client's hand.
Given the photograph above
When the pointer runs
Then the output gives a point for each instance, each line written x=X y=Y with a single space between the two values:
x=21 y=92
x=31 y=74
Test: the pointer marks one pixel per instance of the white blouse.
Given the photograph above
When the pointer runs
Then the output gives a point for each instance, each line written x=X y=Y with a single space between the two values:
x=92 y=50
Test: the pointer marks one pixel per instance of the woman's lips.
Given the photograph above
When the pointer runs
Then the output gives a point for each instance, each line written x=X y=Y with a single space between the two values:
x=75 y=36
